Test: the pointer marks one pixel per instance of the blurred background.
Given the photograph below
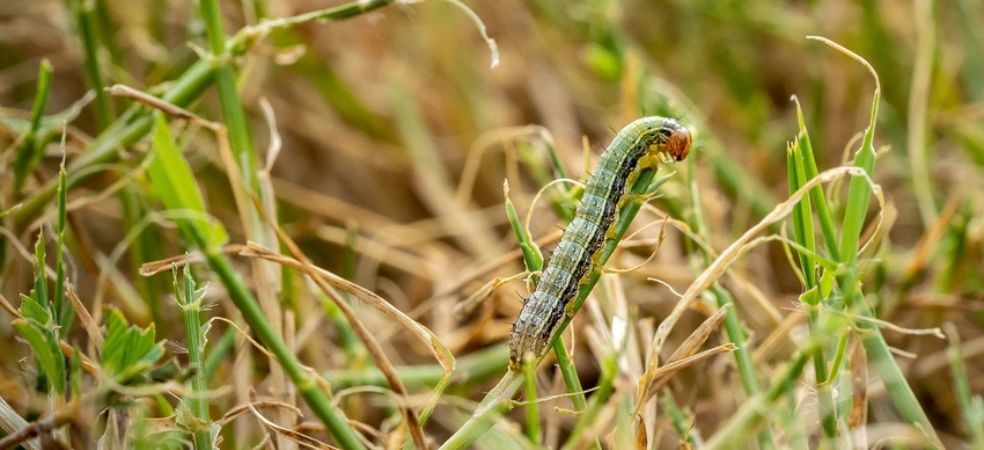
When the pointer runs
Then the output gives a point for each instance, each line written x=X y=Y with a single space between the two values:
x=396 y=129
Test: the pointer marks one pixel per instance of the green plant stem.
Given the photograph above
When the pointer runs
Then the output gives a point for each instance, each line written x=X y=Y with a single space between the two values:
x=568 y=372
x=136 y=123
x=146 y=247
x=681 y=420
x=606 y=385
x=511 y=382
x=803 y=233
x=315 y=398
x=828 y=414
x=895 y=383
x=190 y=303
x=93 y=26
x=855 y=211
x=971 y=406
x=916 y=142
x=473 y=368
x=127 y=130
x=64 y=311
x=218 y=352
x=477 y=425
x=233 y=113
x=533 y=260
x=754 y=413
x=86 y=21
x=29 y=152
x=732 y=324
x=532 y=404
x=972 y=68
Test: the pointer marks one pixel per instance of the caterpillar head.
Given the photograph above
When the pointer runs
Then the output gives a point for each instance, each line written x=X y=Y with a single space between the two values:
x=676 y=140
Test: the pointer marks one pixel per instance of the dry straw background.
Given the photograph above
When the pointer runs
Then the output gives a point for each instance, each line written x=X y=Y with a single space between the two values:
x=380 y=143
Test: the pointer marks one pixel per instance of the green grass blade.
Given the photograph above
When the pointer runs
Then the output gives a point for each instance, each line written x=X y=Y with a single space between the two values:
x=855 y=212
x=29 y=152
x=532 y=403
x=532 y=256
x=533 y=259
x=88 y=30
x=190 y=301
x=606 y=385
x=170 y=167
x=817 y=196
x=173 y=182
x=38 y=329
x=127 y=130
x=971 y=405
x=64 y=311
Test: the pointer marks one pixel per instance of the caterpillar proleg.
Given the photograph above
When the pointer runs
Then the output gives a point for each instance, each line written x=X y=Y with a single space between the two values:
x=643 y=143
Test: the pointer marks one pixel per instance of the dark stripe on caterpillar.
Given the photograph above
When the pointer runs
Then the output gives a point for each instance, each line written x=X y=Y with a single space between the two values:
x=640 y=144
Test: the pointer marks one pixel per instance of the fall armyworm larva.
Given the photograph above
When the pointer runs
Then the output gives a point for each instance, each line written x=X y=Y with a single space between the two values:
x=643 y=143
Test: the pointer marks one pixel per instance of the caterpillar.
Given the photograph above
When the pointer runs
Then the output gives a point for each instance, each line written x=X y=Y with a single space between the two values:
x=643 y=143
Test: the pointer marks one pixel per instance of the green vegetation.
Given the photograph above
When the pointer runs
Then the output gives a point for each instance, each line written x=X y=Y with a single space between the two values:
x=263 y=224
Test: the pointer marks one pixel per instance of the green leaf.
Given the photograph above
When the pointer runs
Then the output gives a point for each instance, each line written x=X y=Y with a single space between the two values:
x=64 y=312
x=531 y=253
x=42 y=341
x=75 y=372
x=128 y=351
x=174 y=183
x=30 y=149
x=827 y=281
x=858 y=190
x=33 y=310
x=810 y=296
x=40 y=280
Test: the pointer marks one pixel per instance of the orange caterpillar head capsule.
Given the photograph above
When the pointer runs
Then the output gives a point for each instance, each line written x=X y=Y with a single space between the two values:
x=678 y=140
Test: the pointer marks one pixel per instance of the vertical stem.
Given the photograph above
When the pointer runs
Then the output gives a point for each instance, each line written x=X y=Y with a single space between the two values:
x=569 y=372
x=971 y=408
x=532 y=405
x=534 y=263
x=225 y=81
x=799 y=159
x=190 y=303
x=85 y=19
x=510 y=383
x=29 y=152
x=732 y=324
x=128 y=129
x=606 y=385
x=316 y=399
x=922 y=78
x=754 y=412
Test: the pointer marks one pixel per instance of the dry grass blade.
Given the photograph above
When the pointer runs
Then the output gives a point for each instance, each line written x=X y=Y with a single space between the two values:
x=468 y=305
x=720 y=265
x=381 y=227
x=495 y=264
x=122 y=90
x=423 y=334
x=380 y=251
x=380 y=144
x=42 y=426
x=296 y=436
x=857 y=418
x=774 y=340
x=10 y=422
x=487 y=141
x=651 y=383
x=663 y=373
x=327 y=281
x=90 y=326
